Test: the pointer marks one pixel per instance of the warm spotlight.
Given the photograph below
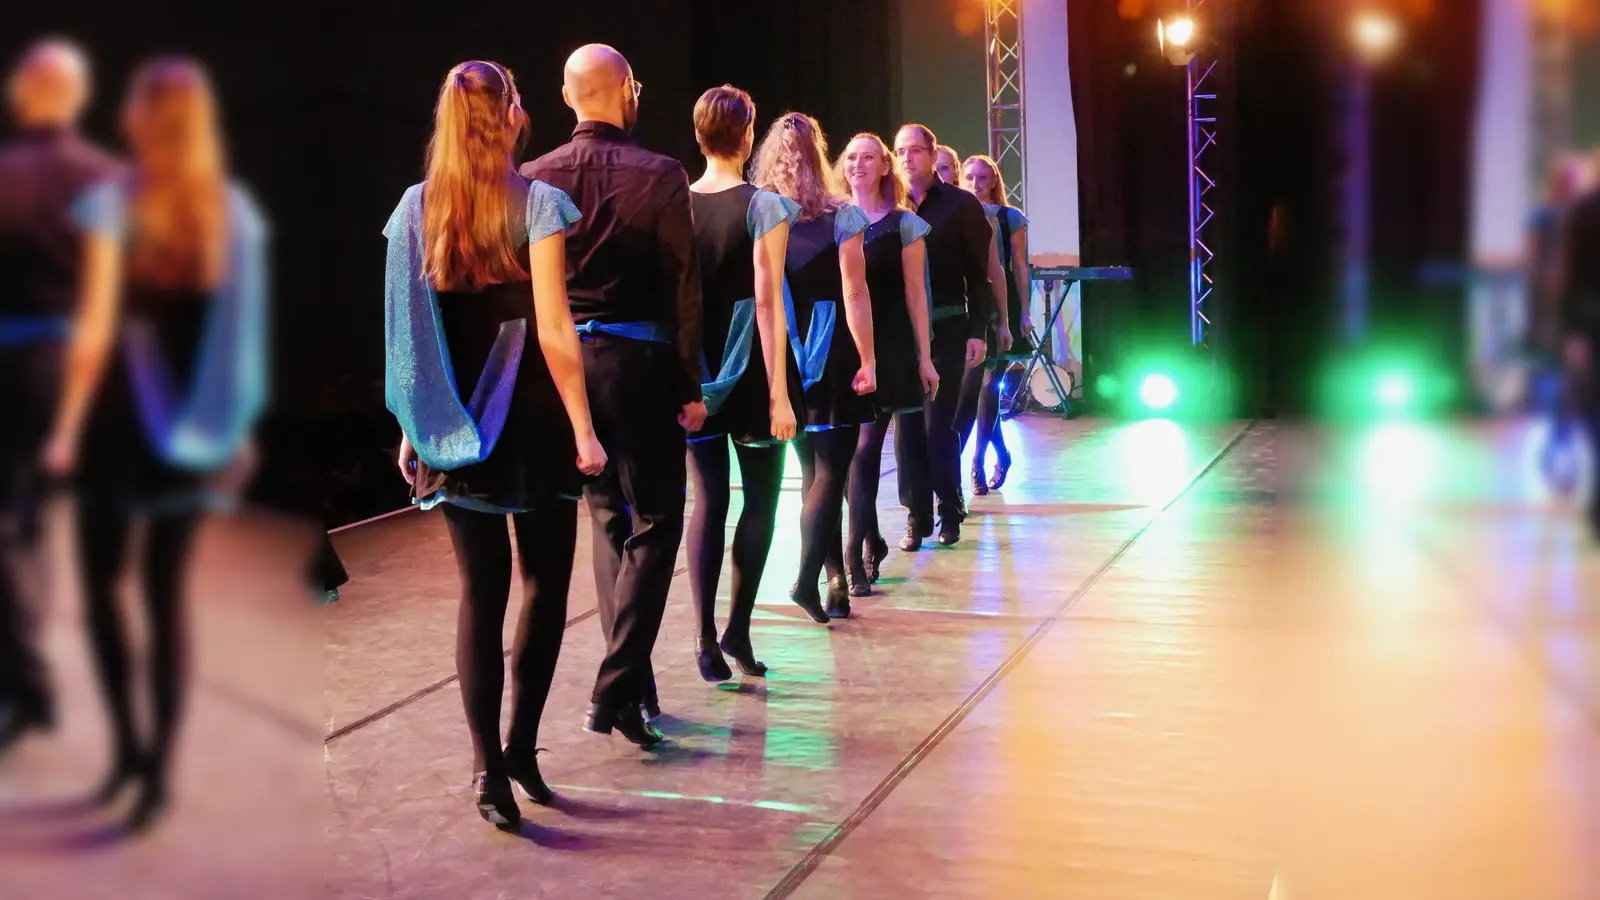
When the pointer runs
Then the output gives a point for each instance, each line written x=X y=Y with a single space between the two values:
x=1375 y=34
x=1177 y=39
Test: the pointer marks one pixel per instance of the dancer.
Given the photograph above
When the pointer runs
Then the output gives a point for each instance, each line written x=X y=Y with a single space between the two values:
x=825 y=266
x=41 y=172
x=467 y=247
x=963 y=305
x=1580 y=319
x=980 y=387
x=174 y=275
x=742 y=234
x=896 y=280
x=948 y=166
x=635 y=288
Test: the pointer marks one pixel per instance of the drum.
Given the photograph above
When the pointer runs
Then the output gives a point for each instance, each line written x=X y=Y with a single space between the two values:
x=1043 y=389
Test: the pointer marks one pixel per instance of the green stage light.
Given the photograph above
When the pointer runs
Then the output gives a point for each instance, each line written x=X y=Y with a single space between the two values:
x=1394 y=392
x=1157 y=392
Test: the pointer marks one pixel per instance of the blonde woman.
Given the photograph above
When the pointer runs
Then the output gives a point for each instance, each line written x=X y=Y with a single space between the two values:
x=981 y=387
x=826 y=269
x=476 y=295
x=173 y=284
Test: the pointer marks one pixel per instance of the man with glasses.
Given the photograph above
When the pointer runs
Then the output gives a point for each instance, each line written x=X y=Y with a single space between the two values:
x=928 y=453
x=633 y=280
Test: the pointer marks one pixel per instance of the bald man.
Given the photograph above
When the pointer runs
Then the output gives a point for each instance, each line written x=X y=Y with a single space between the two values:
x=634 y=283
x=41 y=172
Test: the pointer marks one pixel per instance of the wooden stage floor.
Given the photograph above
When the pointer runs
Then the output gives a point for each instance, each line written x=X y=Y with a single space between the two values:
x=1167 y=661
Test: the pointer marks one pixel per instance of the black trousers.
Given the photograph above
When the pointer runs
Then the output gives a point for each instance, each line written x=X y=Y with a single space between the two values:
x=30 y=375
x=103 y=531
x=546 y=541
x=636 y=506
x=929 y=458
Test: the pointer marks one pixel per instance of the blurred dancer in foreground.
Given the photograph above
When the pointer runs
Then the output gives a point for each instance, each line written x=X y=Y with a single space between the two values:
x=897 y=282
x=752 y=386
x=165 y=380
x=41 y=172
x=634 y=281
x=1580 y=318
x=826 y=269
x=1008 y=339
x=476 y=254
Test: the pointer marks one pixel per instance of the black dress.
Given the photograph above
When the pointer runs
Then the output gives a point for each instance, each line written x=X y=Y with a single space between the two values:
x=894 y=340
x=119 y=462
x=1021 y=345
x=536 y=458
x=812 y=268
x=726 y=248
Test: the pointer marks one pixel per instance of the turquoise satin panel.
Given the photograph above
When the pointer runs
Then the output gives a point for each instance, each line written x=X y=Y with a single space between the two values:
x=204 y=426
x=735 y=356
x=811 y=353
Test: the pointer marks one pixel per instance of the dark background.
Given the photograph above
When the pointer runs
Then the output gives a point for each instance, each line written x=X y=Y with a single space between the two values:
x=328 y=108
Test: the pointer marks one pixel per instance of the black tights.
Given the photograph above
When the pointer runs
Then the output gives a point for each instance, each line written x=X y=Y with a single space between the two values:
x=103 y=554
x=866 y=472
x=761 y=471
x=980 y=410
x=546 y=541
x=824 y=471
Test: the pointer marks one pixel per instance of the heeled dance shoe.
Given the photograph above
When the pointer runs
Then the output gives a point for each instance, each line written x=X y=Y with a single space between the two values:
x=713 y=667
x=629 y=720
x=808 y=598
x=980 y=487
x=877 y=550
x=1002 y=466
x=838 y=598
x=743 y=655
x=524 y=773
x=495 y=802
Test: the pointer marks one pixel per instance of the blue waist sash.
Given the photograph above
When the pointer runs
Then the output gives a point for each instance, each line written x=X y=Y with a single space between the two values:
x=420 y=383
x=811 y=353
x=18 y=330
x=633 y=331
x=204 y=427
x=735 y=356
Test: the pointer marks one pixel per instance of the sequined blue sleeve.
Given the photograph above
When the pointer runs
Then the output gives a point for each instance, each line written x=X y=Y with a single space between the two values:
x=848 y=222
x=98 y=210
x=549 y=210
x=1018 y=220
x=913 y=228
x=767 y=209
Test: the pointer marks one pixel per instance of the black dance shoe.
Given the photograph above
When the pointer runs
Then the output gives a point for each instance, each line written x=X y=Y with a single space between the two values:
x=151 y=805
x=496 y=804
x=650 y=706
x=128 y=769
x=915 y=534
x=524 y=773
x=980 y=487
x=1002 y=466
x=808 y=598
x=629 y=720
x=877 y=551
x=949 y=530
x=838 y=599
x=740 y=651
x=708 y=655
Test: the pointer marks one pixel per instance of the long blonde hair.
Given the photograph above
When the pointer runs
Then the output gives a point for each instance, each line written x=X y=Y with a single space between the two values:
x=177 y=205
x=997 y=194
x=894 y=188
x=471 y=208
x=793 y=161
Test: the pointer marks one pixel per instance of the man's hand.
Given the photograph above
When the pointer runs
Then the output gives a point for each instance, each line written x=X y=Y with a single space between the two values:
x=693 y=416
x=977 y=351
x=1002 y=339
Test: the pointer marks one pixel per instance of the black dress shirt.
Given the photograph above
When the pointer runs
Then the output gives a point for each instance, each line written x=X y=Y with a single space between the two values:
x=41 y=249
x=958 y=253
x=631 y=258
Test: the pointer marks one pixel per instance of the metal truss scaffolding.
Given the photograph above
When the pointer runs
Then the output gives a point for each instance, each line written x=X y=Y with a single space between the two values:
x=1202 y=100
x=1003 y=43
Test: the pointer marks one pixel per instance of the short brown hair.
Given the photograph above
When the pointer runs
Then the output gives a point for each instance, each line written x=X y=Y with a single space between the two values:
x=722 y=116
x=921 y=131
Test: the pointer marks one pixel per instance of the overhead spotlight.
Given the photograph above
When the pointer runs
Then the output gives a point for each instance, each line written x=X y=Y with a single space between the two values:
x=1176 y=37
x=1375 y=34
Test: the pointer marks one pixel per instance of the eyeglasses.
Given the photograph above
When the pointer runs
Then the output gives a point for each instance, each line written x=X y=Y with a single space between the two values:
x=636 y=86
x=904 y=152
